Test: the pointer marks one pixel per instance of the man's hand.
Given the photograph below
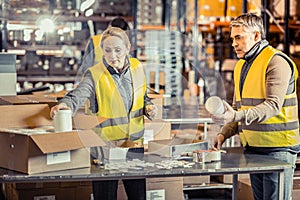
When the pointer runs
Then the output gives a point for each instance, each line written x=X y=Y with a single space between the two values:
x=225 y=118
x=216 y=143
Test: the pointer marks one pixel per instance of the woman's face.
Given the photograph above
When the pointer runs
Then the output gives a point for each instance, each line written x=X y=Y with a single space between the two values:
x=115 y=52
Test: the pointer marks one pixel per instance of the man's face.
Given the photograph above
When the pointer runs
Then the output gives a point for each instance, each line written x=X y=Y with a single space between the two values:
x=242 y=40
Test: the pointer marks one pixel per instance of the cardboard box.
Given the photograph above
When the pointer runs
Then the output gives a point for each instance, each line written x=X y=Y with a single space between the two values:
x=164 y=188
x=82 y=121
x=156 y=130
x=34 y=152
x=227 y=178
x=245 y=190
x=296 y=186
x=212 y=7
x=28 y=99
x=174 y=147
x=234 y=8
x=195 y=180
x=158 y=189
x=47 y=191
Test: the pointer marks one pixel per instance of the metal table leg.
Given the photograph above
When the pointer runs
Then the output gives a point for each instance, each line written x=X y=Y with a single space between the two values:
x=234 y=186
x=280 y=184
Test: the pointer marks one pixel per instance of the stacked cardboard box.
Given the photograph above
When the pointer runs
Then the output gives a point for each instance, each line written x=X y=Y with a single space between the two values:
x=158 y=188
x=48 y=190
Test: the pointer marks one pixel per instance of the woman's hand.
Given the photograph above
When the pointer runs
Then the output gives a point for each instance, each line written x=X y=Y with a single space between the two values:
x=151 y=111
x=61 y=106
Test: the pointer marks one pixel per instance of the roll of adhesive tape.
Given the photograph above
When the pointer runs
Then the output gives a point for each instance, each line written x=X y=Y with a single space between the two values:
x=63 y=121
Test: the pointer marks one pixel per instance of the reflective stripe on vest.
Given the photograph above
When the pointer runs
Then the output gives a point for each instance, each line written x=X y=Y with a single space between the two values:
x=97 y=49
x=281 y=130
x=119 y=125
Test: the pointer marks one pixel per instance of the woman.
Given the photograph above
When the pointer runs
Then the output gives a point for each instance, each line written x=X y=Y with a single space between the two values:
x=116 y=89
x=93 y=52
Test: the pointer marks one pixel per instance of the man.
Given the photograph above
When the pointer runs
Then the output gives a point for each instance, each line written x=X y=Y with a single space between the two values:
x=266 y=115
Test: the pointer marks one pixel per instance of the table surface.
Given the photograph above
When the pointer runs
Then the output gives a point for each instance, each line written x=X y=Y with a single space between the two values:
x=235 y=161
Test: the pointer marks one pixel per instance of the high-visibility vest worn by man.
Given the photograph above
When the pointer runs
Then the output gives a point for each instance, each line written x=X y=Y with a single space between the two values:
x=281 y=130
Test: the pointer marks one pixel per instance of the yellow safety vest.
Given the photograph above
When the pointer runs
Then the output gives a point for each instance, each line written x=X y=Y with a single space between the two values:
x=97 y=49
x=281 y=130
x=120 y=125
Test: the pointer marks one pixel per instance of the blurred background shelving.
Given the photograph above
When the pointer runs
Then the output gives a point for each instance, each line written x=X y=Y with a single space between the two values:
x=197 y=28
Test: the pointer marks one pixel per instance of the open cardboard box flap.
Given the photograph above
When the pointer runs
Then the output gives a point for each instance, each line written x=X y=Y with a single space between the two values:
x=25 y=116
x=37 y=115
x=84 y=121
x=58 y=142
x=31 y=151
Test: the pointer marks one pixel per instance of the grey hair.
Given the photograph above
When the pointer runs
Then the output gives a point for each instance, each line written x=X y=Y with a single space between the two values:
x=251 y=22
x=117 y=32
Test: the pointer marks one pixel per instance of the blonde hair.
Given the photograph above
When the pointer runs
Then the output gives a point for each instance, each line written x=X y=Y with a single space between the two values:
x=251 y=22
x=117 y=32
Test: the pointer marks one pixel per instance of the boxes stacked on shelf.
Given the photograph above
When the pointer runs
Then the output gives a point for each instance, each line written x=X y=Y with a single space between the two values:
x=149 y=12
x=278 y=8
x=217 y=8
x=164 y=58
x=158 y=188
x=62 y=66
x=206 y=8
x=214 y=8
x=48 y=190
x=32 y=64
x=234 y=7
x=192 y=181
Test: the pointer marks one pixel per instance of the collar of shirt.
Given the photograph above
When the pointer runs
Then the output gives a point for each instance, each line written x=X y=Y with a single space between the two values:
x=255 y=50
x=113 y=70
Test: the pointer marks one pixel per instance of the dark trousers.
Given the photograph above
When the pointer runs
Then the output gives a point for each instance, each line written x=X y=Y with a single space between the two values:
x=107 y=190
